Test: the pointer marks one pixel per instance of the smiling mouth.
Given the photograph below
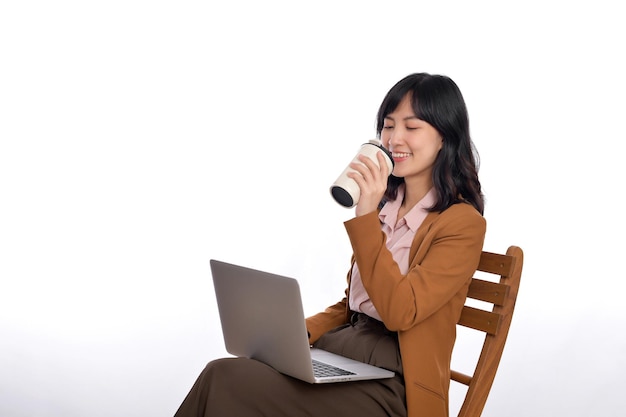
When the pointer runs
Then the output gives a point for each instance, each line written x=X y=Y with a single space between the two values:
x=401 y=155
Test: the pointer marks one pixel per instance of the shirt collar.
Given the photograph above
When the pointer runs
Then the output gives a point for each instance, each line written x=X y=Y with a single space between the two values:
x=414 y=218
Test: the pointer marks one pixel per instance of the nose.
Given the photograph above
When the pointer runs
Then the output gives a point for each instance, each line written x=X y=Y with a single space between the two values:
x=394 y=139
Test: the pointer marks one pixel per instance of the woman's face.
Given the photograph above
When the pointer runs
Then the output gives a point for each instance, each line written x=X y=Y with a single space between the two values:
x=413 y=142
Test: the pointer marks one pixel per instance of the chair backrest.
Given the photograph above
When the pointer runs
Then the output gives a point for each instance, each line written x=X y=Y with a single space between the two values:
x=494 y=321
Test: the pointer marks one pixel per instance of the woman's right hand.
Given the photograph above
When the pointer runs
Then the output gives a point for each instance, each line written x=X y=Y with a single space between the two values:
x=372 y=180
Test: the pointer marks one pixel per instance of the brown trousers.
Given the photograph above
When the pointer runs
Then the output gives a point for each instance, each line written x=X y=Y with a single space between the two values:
x=239 y=387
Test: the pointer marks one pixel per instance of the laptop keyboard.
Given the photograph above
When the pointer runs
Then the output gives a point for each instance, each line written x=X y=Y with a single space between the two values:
x=323 y=369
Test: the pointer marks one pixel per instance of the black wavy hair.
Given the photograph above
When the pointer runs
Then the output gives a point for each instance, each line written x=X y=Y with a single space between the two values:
x=437 y=100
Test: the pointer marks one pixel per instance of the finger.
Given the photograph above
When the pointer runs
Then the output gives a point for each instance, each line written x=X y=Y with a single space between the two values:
x=378 y=172
x=359 y=179
x=361 y=168
x=382 y=162
x=370 y=166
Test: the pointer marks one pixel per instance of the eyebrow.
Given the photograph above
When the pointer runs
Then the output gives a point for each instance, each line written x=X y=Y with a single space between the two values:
x=406 y=118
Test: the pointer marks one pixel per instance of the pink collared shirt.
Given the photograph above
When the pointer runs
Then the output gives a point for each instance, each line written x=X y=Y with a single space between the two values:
x=400 y=234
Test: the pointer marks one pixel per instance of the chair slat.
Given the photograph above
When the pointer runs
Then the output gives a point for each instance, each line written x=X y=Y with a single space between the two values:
x=491 y=292
x=495 y=263
x=478 y=319
x=495 y=323
x=460 y=377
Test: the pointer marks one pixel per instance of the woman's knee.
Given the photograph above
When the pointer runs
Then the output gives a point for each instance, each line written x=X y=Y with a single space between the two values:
x=236 y=370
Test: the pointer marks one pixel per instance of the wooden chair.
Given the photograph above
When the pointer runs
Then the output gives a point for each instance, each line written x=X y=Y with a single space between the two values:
x=494 y=321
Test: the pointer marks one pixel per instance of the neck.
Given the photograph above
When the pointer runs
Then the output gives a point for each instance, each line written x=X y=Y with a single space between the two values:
x=415 y=189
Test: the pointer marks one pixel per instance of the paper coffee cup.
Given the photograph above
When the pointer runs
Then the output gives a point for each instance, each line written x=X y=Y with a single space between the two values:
x=345 y=190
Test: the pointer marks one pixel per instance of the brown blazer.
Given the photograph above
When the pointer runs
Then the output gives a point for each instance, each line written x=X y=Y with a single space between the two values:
x=424 y=305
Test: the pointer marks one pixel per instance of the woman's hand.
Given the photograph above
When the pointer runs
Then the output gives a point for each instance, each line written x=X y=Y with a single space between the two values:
x=372 y=180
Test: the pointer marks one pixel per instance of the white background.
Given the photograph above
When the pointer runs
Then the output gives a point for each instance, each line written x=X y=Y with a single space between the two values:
x=139 y=139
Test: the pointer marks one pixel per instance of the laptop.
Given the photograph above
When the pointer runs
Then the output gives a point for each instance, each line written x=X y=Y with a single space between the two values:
x=262 y=318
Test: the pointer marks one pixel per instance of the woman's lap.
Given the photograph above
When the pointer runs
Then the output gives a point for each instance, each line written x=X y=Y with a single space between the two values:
x=245 y=387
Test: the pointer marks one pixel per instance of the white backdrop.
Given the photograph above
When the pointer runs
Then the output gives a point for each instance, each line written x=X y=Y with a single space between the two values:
x=140 y=139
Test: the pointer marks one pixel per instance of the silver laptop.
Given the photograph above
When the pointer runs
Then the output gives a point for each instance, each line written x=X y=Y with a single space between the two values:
x=262 y=318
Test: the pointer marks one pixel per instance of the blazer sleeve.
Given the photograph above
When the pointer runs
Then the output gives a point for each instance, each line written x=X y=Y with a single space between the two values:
x=444 y=255
x=333 y=316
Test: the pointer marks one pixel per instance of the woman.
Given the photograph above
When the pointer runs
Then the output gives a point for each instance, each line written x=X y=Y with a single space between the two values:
x=417 y=238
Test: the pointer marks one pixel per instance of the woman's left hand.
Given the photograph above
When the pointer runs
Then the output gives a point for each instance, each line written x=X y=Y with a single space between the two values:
x=372 y=180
